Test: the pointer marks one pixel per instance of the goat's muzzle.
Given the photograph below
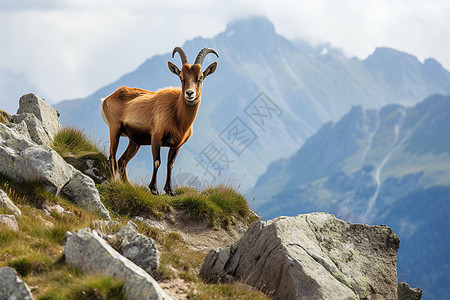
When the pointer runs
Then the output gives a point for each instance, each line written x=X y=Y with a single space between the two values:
x=191 y=96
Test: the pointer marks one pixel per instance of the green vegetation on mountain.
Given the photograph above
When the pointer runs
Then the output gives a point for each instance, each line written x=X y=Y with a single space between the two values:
x=219 y=205
x=82 y=151
x=36 y=251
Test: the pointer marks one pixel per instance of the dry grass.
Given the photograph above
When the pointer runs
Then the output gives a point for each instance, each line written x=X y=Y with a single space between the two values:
x=5 y=118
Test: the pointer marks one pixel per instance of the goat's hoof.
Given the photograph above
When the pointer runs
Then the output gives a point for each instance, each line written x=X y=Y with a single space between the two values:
x=170 y=192
x=154 y=191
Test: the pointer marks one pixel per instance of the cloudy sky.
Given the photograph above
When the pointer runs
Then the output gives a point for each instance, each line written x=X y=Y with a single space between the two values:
x=64 y=49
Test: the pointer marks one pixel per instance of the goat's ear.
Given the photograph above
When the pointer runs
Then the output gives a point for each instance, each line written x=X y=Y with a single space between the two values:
x=174 y=69
x=210 y=69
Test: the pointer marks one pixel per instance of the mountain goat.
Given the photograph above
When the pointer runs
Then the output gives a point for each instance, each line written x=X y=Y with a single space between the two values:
x=161 y=119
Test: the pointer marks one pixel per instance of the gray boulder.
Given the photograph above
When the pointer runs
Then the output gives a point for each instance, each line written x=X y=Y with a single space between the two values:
x=82 y=191
x=21 y=128
x=312 y=256
x=151 y=223
x=127 y=233
x=11 y=286
x=91 y=254
x=9 y=221
x=35 y=129
x=137 y=247
x=142 y=251
x=22 y=159
x=407 y=293
x=48 y=116
x=137 y=288
x=8 y=205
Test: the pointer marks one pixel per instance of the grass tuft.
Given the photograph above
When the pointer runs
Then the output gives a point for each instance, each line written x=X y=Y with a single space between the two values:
x=219 y=204
x=33 y=263
x=71 y=141
x=77 y=286
x=77 y=148
x=131 y=200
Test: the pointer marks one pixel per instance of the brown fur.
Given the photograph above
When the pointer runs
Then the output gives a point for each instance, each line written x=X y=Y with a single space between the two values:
x=161 y=119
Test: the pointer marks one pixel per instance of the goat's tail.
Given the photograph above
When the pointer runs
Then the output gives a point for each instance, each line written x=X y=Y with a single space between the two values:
x=102 y=109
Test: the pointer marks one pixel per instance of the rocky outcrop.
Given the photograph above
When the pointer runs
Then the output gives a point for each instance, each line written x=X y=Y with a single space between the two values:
x=92 y=254
x=9 y=221
x=8 y=205
x=82 y=191
x=22 y=159
x=137 y=247
x=42 y=120
x=313 y=256
x=11 y=286
x=407 y=293
x=34 y=128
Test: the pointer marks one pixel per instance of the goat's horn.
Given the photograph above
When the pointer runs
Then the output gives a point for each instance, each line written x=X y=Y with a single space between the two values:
x=201 y=55
x=183 y=56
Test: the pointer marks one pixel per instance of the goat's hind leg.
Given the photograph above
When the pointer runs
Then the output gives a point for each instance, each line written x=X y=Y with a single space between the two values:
x=129 y=153
x=114 y=136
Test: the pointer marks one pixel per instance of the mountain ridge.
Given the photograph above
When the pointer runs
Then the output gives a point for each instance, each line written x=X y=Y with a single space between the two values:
x=387 y=166
x=309 y=89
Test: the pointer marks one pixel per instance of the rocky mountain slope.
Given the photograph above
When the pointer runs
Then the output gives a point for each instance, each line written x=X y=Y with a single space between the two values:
x=389 y=166
x=274 y=92
x=55 y=246
x=311 y=256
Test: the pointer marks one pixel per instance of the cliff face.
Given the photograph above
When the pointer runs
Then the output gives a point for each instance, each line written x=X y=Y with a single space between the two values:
x=312 y=256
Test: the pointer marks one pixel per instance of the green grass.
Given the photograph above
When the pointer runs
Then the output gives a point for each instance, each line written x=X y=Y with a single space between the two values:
x=131 y=200
x=37 y=253
x=35 y=263
x=21 y=192
x=76 y=147
x=73 y=141
x=78 y=286
x=218 y=205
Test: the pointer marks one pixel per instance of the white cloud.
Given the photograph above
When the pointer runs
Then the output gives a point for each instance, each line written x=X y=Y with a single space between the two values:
x=70 y=48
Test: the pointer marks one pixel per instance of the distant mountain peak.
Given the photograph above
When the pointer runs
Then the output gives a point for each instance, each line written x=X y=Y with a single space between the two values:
x=251 y=24
x=389 y=54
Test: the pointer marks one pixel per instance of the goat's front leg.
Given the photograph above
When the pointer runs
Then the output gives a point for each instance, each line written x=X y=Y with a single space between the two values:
x=156 y=149
x=170 y=161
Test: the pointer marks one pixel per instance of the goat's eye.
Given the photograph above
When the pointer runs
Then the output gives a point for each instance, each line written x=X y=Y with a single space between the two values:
x=201 y=78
